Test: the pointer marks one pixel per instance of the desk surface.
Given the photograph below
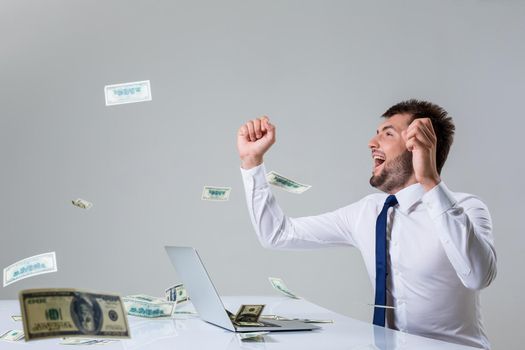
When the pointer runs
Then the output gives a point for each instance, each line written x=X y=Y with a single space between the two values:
x=189 y=332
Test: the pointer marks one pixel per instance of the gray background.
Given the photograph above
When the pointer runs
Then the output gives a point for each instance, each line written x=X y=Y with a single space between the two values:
x=324 y=71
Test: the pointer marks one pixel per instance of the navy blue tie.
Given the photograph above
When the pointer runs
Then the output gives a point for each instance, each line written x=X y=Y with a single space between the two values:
x=379 y=312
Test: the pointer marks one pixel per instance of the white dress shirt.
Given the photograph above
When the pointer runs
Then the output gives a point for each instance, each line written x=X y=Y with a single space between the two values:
x=440 y=251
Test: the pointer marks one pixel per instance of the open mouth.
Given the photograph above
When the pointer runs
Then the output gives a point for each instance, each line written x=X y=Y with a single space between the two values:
x=378 y=162
x=379 y=159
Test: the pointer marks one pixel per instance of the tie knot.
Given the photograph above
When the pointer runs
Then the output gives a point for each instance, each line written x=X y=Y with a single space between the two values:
x=390 y=201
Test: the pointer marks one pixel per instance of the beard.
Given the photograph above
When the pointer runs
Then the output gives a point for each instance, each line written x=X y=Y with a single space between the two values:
x=395 y=174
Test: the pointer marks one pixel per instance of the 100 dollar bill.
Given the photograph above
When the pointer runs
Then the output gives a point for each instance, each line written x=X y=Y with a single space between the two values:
x=29 y=267
x=57 y=313
x=285 y=183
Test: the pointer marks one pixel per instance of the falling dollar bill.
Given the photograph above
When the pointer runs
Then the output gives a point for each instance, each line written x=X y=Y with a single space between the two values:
x=81 y=203
x=16 y=318
x=279 y=285
x=150 y=309
x=13 y=335
x=177 y=293
x=211 y=193
x=286 y=183
x=248 y=315
x=29 y=267
x=57 y=313
x=117 y=94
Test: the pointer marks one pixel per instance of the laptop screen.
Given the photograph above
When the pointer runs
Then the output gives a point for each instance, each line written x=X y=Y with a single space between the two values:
x=200 y=288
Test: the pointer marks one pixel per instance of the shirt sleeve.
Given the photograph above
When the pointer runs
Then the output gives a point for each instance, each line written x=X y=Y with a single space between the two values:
x=465 y=231
x=276 y=230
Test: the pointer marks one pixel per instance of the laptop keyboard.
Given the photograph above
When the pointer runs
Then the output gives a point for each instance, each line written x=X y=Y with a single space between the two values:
x=261 y=324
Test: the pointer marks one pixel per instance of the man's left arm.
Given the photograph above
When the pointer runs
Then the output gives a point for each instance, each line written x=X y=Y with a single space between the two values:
x=465 y=227
x=465 y=231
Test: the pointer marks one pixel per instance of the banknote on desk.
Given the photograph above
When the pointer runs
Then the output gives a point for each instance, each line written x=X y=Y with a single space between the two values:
x=142 y=305
x=12 y=335
x=248 y=316
x=58 y=313
x=257 y=337
x=241 y=323
x=86 y=341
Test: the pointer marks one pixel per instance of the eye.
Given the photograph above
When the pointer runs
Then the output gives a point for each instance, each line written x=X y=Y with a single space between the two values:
x=389 y=134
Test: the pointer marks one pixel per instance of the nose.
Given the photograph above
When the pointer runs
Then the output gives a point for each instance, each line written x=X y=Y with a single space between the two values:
x=372 y=144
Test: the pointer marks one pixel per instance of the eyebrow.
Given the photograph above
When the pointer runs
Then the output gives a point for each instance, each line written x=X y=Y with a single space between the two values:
x=386 y=127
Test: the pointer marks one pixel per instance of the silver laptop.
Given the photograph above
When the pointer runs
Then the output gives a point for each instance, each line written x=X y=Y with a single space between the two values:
x=206 y=300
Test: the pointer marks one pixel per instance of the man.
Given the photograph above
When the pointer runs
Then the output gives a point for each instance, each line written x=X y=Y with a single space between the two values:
x=428 y=251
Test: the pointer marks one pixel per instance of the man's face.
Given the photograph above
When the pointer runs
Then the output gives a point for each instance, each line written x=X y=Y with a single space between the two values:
x=392 y=162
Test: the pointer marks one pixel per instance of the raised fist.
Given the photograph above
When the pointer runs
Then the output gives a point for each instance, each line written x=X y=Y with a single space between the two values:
x=253 y=140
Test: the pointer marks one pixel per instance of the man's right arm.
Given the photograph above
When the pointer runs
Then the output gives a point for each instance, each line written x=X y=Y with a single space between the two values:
x=273 y=228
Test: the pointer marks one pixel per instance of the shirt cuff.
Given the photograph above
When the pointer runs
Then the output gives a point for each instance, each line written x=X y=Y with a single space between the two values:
x=438 y=200
x=255 y=176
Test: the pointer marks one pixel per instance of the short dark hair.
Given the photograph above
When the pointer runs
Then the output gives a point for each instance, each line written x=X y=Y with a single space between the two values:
x=441 y=122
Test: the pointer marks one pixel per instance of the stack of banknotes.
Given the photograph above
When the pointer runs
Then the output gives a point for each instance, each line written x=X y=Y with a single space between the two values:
x=147 y=306
x=142 y=305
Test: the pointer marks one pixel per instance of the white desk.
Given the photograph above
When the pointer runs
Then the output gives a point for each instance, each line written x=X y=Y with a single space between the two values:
x=189 y=332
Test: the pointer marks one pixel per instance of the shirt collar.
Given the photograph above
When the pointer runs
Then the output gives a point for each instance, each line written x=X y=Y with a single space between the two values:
x=409 y=196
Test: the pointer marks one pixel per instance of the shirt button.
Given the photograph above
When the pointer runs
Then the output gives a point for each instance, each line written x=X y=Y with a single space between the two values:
x=396 y=272
x=429 y=205
x=394 y=243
